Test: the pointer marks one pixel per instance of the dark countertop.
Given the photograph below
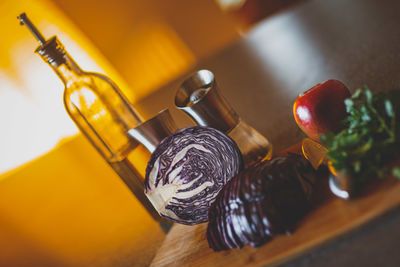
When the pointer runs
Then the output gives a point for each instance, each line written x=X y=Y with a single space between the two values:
x=356 y=42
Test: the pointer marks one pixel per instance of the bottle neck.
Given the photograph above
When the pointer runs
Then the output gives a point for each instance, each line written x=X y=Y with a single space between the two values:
x=69 y=71
x=53 y=52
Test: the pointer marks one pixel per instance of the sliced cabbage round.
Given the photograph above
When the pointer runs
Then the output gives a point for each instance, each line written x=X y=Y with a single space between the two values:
x=187 y=170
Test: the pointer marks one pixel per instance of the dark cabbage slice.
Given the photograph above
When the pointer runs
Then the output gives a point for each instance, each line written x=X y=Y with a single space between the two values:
x=187 y=170
x=260 y=202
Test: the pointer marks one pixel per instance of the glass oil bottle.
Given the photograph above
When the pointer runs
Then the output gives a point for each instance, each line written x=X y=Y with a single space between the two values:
x=100 y=111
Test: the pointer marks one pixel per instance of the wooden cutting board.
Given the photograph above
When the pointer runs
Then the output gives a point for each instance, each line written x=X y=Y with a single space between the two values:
x=330 y=218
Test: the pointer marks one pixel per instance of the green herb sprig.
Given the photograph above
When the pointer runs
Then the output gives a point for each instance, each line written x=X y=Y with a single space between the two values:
x=370 y=140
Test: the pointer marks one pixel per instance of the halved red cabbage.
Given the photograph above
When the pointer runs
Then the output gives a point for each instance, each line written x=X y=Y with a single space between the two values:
x=187 y=170
x=260 y=202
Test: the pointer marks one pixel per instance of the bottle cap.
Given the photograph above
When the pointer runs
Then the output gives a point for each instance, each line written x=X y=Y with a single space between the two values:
x=52 y=51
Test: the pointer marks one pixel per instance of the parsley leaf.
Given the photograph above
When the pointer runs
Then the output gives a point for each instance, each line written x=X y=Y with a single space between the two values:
x=370 y=138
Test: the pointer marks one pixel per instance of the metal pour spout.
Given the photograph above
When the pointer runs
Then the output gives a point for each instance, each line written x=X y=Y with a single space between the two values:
x=51 y=50
x=24 y=20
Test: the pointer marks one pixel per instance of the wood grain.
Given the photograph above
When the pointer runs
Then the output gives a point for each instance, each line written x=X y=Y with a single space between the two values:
x=330 y=218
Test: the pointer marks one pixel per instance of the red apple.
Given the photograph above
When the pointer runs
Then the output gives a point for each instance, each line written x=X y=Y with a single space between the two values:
x=321 y=108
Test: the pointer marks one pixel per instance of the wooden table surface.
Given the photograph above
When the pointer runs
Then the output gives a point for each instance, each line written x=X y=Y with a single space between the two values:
x=357 y=42
x=330 y=218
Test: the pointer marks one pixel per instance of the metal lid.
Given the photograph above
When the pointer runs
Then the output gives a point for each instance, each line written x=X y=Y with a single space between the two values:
x=200 y=98
x=151 y=132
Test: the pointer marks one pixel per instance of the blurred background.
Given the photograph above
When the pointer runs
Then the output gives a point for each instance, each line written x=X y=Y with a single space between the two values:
x=60 y=203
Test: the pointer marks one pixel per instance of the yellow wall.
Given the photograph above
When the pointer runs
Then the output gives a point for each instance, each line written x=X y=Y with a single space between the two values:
x=32 y=116
x=69 y=208
x=152 y=42
x=66 y=208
